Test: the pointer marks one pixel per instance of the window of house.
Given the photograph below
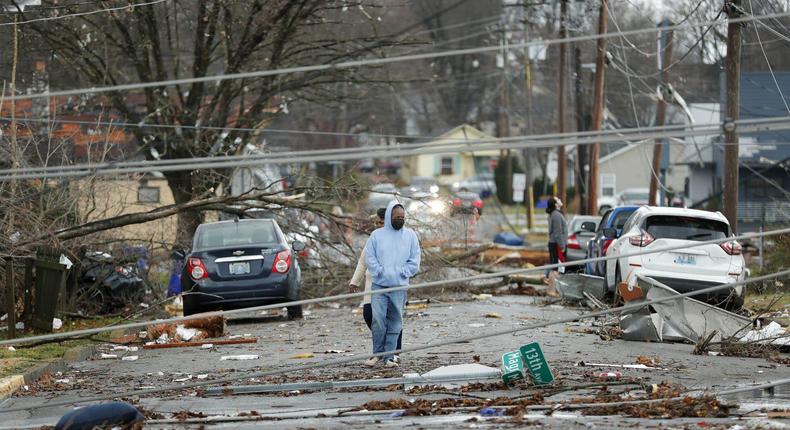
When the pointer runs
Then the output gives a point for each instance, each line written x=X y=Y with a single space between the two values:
x=147 y=194
x=608 y=184
x=447 y=166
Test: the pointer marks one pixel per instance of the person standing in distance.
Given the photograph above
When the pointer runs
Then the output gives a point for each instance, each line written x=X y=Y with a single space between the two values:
x=393 y=256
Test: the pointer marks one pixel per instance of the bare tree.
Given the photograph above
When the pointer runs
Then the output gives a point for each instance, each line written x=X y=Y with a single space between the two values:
x=183 y=38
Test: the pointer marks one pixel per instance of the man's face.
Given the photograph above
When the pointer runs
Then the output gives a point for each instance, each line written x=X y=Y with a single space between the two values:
x=379 y=222
x=398 y=214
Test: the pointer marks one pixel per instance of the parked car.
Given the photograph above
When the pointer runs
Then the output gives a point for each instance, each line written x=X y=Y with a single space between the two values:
x=614 y=218
x=482 y=184
x=465 y=201
x=581 y=229
x=634 y=196
x=379 y=196
x=685 y=269
x=241 y=263
x=605 y=203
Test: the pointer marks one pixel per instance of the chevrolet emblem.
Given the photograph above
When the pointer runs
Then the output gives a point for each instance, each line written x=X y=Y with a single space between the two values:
x=237 y=253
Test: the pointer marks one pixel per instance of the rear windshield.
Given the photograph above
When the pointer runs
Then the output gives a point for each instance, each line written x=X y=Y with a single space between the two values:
x=621 y=218
x=235 y=234
x=686 y=228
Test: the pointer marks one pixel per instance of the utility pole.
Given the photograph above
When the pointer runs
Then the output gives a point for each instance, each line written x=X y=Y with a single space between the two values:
x=598 y=106
x=732 y=69
x=561 y=100
x=665 y=43
x=502 y=122
x=581 y=150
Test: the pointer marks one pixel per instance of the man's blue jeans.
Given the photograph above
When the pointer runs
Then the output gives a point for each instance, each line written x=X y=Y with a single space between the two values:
x=387 y=319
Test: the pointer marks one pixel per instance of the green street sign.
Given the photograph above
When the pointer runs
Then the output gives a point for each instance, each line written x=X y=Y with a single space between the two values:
x=536 y=364
x=512 y=367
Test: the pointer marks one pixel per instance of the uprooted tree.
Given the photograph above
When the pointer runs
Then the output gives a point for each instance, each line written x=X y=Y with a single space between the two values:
x=183 y=39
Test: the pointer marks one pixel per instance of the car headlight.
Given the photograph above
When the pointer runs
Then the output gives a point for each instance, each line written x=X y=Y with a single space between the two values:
x=434 y=188
x=456 y=185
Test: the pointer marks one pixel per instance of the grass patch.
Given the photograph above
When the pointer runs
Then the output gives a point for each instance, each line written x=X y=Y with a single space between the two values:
x=14 y=362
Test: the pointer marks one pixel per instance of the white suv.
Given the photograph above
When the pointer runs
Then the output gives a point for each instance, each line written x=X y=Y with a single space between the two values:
x=684 y=269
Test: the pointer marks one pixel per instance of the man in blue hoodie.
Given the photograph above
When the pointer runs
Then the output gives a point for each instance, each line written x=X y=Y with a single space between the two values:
x=393 y=256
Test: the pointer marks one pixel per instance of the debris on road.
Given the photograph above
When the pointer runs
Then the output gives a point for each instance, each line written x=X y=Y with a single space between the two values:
x=207 y=344
x=696 y=407
x=129 y=358
x=773 y=334
x=573 y=286
x=197 y=329
x=302 y=355
x=239 y=357
x=108 y=356
x=684 y=319
x=493 y=315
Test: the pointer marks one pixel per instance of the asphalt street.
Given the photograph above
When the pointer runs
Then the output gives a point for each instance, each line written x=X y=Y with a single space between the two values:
x=328 y=333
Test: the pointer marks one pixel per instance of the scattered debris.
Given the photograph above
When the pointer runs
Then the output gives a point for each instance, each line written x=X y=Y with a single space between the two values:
x=130 y=358
x=773 y=334
x=206 y=345
x=493 y=315
x=526 y=290
x=197 y=329
x=482 y=296
x=302 y=355
x=127 y=339
x=11 y=348
x=108 y=356
x=607 y=376
x=696 y=407
x=57 y=323
x=476 y=325
x=239 y=357
x=335 y=351
x=573 y=286
x=648 y=361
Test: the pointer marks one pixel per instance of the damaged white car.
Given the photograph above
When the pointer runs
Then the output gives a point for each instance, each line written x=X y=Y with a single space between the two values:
x=684 y=269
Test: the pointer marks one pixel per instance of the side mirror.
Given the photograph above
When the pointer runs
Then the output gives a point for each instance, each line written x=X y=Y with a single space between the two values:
x=589 y=226
x=178 y=254
x=298 y=246
x=610 y=233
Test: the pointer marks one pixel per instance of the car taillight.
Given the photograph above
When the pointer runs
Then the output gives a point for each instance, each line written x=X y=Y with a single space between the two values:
x=196 y=268
x=732 y=248
x=282 y=262
x=456 y=202
x=573 y=242
x=642 y=240
x=605 y=246
x=478 y=204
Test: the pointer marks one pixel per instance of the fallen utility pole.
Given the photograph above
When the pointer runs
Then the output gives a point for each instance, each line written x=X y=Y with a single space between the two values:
x=732 y=69
x=202 y=343
x=598 y=106
x=665 y=44
x=563 y=77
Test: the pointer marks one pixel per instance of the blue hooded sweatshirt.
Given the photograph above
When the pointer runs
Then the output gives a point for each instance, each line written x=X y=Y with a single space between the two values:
x=393 y=256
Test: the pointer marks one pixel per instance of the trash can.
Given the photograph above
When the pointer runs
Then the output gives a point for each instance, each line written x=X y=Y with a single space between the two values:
x=50 y=280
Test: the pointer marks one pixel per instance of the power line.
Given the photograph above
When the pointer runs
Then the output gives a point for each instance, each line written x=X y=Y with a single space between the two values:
x=397 y=150
x=292 y=369
x=369 y=62
x=76 y=14
x=770 y=68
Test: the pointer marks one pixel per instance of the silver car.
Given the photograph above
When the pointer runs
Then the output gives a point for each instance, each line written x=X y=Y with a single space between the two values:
x=581 y=229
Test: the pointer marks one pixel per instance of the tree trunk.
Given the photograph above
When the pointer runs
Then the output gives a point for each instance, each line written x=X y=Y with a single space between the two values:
x=188 y=220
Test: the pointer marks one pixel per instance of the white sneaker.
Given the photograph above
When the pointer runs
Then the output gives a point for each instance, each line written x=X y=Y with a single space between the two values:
x=396 y=359
x=372 y=361
x=391 y=363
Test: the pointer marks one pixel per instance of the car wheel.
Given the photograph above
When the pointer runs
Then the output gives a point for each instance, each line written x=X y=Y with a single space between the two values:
x=295 y=312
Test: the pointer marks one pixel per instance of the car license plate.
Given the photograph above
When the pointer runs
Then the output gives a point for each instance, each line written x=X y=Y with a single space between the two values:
x=241 y=268
x=685 y=259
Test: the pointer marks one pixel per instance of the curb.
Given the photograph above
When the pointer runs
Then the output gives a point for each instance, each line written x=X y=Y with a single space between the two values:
x=9 y=385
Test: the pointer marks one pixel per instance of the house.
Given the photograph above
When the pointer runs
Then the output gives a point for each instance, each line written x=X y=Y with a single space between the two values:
x=453 y=167
x=106 y=197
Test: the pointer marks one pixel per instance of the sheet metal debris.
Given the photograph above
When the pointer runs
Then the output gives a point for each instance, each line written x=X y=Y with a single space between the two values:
x=682 y=320
x=573 y=286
